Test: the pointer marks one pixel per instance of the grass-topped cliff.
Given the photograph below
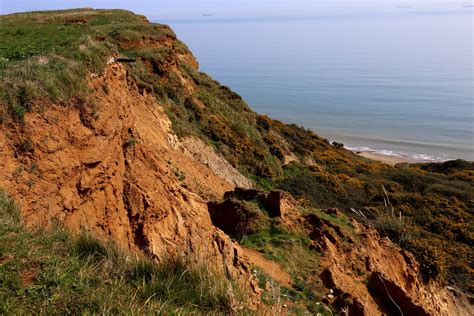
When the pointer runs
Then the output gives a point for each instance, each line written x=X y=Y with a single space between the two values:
x=48 y=57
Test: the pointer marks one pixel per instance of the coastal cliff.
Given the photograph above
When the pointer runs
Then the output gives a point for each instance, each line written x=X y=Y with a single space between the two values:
x=108 y=127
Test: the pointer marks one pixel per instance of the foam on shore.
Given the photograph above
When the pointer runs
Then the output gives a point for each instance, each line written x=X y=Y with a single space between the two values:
x=393 y=157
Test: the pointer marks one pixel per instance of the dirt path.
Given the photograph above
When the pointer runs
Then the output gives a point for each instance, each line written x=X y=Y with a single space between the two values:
x=273 y=269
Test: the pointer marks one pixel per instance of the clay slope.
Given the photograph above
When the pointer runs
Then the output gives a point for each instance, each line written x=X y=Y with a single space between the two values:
x=114 y=167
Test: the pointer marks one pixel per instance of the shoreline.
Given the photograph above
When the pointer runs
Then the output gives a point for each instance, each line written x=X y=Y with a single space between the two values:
x=388 y=159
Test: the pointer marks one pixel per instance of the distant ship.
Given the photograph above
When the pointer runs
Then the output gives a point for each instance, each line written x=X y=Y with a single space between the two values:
x=207 y=14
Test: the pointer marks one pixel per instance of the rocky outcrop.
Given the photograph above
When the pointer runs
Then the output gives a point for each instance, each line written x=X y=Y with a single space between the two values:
x=111 y=166
x=247 y=211
x=237 y=218
x=276 y=202
x=393 y=297
x=370 y=275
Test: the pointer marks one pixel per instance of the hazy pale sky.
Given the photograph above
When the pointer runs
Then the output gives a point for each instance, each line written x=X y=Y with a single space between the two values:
x=195 y=8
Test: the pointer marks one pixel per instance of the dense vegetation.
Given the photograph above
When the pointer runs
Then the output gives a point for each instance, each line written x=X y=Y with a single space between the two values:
x=52 y=272
x=43 y=55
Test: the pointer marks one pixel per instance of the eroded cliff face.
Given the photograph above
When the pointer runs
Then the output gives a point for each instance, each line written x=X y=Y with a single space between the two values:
x=113 y=164
x=371 y=276
x=114 y=167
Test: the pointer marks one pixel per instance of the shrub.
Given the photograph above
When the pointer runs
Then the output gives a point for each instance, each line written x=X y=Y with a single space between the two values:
x=448 y=167
x=130 y=142
x=431 y=260
x=24 y=146
x=324 y=190
x=449 y=190
x=411 y=181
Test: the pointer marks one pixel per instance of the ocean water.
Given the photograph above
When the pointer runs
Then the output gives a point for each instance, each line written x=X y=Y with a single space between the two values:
x=397 y=82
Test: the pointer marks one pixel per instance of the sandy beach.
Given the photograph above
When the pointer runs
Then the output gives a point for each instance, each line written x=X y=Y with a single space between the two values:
x=391 y=160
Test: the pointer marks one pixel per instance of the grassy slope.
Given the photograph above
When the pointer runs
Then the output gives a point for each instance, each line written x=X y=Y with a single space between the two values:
x=48 y=55
x=437 y=202
x=52 y=272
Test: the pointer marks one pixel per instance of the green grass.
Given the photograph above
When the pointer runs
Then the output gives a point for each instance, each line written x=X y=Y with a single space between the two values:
x=131 y=142
x=292 y=251
x=53 y=272
x=342 y=220
x=47 y=55
x=10 y=212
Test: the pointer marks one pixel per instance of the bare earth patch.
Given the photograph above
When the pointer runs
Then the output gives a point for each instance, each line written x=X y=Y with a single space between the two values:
x=273 y=269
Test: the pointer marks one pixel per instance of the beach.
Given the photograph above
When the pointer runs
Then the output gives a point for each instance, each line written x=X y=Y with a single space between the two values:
x=388 y=159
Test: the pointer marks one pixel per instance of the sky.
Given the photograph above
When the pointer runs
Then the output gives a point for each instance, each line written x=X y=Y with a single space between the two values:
x=170 y=9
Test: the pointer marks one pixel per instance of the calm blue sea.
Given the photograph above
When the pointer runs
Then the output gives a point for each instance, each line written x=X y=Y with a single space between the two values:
x=398 y=82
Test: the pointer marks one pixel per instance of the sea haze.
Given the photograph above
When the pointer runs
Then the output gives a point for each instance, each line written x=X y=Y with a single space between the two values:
x=398 y=82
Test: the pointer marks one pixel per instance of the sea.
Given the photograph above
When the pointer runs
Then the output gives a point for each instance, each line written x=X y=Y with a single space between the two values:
x=397 y=82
